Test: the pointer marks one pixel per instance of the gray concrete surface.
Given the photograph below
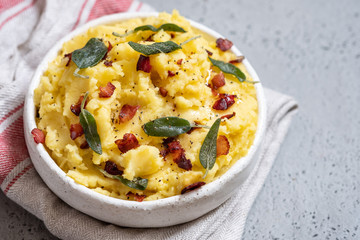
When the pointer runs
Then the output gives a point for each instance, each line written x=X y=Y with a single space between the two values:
x=311 y=51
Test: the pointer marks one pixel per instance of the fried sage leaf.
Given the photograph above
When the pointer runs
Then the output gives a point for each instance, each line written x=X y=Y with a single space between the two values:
x=155 y=48
x=137 y=183
x=88 y=123
x=229 y=68
x=170 y=27
x=207 y=153
x=159 y=47
x=90 y=55
x=167 y=127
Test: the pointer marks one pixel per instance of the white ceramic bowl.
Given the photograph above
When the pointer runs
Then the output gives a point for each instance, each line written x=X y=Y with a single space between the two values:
x=159 y=213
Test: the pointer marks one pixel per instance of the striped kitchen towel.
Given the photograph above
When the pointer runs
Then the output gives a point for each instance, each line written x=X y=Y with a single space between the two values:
x=28 y=29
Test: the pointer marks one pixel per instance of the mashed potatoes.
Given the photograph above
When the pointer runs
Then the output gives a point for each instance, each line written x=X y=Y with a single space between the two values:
x=183 y=76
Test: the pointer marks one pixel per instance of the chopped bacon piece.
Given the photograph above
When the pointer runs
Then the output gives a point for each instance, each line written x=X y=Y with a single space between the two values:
x=172 y=35
x=38 y=135
x=183 y=162
x=208 y=52
x=171 y=73
x=163 y=152
x=178 y=154
x=127 y=112
x=192 y=187
x=228 y=116
x=224 y=102
x=179 y=61
x=168 y=140
x=111 y=168
x=107 y=91
x=174 y=146
x=222 y=145
x=238 y=60
x=108 y=50
x=223 y=44
x=218 y=80
x=214 y=92
x=84 y=145
x=76 y=108
x=76 y=130
x=149 y=39
x=163 y=91
x=128 y=142
x=68 y=55
x=136 y=196
x=108 y=63
x=143 y=64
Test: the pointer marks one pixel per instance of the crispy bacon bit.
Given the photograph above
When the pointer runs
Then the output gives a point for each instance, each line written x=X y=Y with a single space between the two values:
x=149 y=39
x=143 y=64
x=68 y=55
x=179 y=61
x=127 y=112
x=136 y=196
x=223 y=44
x=218 y=80
x=178 y=154
x=214 y=92
x=76 y=130
x=76 y=108
x=228 y=116
x=108 y=50
x=183 y=162
x=111 y=168
x=192 y=187
x=208 y=52
x=224 y=102
x=222 y=145
x=38 y=135
x=172 y=35
x=163 y=91
x=107 y=91
x=171 y=73
x=238 y=60
x=163 y=152
x=84 y=145
x=128 y=142
x=108 y=63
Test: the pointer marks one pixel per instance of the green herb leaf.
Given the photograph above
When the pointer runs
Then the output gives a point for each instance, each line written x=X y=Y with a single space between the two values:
x=77 y=74
x=90 y=55
x=137 y=183
x=229 y=68
x=207 y=154
x=155 y=48
x=190 y=39
x=167 y=127
x=166 y=27
x=88 y=123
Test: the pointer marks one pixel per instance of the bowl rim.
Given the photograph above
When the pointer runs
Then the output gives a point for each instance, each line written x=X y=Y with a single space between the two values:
x=206 y=190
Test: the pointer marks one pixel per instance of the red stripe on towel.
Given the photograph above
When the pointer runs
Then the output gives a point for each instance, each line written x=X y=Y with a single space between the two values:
x=11 y=112
x=5 y=5
x=12 y=147
x=105 y=7
x=16 y=14
x=17 y=177
x=79 y=16
x=139 y=7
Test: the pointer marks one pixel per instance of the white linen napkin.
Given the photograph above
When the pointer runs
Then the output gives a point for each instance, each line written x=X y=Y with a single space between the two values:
x=28 y=29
